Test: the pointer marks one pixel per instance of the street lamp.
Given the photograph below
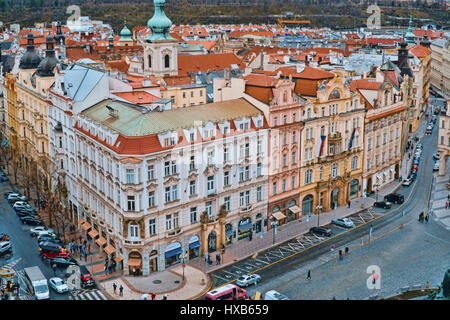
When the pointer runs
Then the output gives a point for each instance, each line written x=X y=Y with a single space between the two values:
x=183 y=260
x=318 y=210
x=274 y=228
x=376 y=185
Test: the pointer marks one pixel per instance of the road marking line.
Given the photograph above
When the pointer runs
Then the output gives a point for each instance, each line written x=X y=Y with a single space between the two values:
x=220 y=277
x=315 y=244
x=436 y=237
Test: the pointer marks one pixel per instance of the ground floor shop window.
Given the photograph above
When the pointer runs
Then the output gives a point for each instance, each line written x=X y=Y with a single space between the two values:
x=194 y=247
x=229 y=233
x=245 y=227
x=172 y=253
x=354 y=188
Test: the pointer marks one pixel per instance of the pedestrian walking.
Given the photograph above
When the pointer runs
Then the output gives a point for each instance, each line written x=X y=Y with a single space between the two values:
x=341 y=255
x=349 y=203
x=250 y=236
x=448 y=197
x=153 y=295
x=70 y=248
x=134 y=272
x=121 y=290
x=308 y=276
x=206 y=257
x=110 y=268
x=218 y=259
x=421 y=217
x=446 y=204
x=427 y=217
x=114 y=287
x=346 y=250
x=114 y=266
x=164 y=297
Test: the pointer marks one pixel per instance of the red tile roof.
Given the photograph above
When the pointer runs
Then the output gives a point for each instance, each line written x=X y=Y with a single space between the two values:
x=365 y=84
x=207 y=62
x=260 y=80
x=137 y=97
x=420 y=51
x=308 y=73
x=119 y=65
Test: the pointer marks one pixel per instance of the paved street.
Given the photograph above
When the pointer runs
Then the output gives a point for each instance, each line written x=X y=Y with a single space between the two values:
x=408 y=252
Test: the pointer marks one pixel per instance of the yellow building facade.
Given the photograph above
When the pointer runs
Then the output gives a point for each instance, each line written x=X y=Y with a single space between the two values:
x=332 y=139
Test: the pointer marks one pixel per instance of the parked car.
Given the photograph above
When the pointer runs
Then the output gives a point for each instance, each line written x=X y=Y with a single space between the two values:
x=49 y=238
x=58 y=285
x=394 y=198
x=428 y=130
x=6 y=193
x=28 y=220
x=248 y=279
x=39 y=229
x=31 y=214
x=274 y=295
x=21 y=205
x=51 y=250
x=415 y=166
x=382 y=204
x=436 y=165
x=3 y=179
x=436 y=156
x=62 y=262
x=408 y=181
x=343 y=222
x=5 y=246
x=419 y=146
x=320 y=231
x=13 y=197
x=85 y=277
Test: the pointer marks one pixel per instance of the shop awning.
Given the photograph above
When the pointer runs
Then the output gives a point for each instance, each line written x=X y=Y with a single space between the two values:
x=245 y=227
x=93 y=233
x=86 y=226
x=278 y=215
x=118 y=259
x=294 y=209
x=81 y=221
x=101 y=241
x=194 y=245
x=173 y=252
x=134 y=262
x=109 y=249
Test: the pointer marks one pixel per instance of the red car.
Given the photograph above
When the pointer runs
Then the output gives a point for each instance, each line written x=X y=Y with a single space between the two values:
x=50 y=250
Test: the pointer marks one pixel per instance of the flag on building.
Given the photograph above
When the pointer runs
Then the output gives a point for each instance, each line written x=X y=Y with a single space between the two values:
x=350 y=144
x=320 y=146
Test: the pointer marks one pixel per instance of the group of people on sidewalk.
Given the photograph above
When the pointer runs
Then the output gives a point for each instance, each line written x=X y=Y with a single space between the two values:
x=110 y=266
x=82 y=249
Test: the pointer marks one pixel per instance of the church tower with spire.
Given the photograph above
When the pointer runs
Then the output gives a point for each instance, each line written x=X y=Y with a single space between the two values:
x=410 y=37
x=160 y=49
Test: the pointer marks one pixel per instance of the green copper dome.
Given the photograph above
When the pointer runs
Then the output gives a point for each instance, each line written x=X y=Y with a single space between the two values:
x=125 y=34
x=159 y=24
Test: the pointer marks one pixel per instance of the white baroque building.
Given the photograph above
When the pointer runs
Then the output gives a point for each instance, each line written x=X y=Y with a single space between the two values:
x=155 y=184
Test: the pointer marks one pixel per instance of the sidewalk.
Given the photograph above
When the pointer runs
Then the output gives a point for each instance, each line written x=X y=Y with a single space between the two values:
x=439 y=198
x=244 y=249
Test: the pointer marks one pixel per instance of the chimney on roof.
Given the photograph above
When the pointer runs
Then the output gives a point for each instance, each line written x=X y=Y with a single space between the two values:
x=261 y=66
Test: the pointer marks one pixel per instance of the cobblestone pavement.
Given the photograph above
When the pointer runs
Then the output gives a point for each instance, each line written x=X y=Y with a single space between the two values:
x=409 y=256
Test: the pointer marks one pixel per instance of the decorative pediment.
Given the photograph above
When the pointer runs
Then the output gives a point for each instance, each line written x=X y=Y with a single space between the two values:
x=133 y=188
x=228 y=166
x=171 y=179
x=152 y=185
x=210 y=170
x=193 y=175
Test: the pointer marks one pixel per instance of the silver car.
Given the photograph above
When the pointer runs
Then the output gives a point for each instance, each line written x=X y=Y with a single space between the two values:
x=343 y=222
x=248 y=279
x=5 y=246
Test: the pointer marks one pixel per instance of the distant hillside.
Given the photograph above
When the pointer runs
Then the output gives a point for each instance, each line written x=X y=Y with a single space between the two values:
x=321 y=13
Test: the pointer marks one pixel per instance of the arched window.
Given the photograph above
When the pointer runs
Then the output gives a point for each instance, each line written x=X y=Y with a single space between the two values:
x=166 y=61
x=307 y=204
x=149 y=60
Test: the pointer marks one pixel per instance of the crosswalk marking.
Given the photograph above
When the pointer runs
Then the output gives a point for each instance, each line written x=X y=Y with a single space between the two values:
x=89 y=295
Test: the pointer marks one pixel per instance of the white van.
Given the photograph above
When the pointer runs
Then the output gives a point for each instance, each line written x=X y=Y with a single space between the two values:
x=36 y=283
x=275 y=295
